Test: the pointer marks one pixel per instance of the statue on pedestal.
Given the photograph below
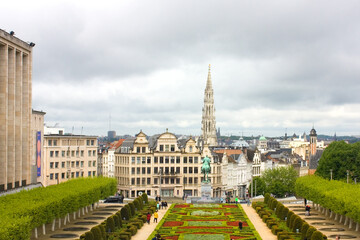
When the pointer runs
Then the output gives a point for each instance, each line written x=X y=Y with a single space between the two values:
x=206 y=169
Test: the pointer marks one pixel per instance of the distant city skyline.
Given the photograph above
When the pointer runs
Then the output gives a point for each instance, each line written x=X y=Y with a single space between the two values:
x=275 y=65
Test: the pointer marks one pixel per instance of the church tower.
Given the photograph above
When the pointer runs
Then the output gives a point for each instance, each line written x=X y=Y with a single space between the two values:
x=313 y=141
x=208 y=115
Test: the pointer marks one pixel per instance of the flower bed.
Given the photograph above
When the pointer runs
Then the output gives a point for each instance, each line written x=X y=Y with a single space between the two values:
x=179 y=223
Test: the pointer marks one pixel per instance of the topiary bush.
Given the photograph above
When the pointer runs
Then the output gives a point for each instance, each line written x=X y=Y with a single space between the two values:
x=298 y=222
x=304 y=228
x=120 y=218
x=317 y=236
x=137 y=204
x=132 y=209
x=290 y=213
x=116 y=221
x=266 y=197
x=125 y=212
x=103 y=231
x=145 y=198
x=292 y=220
x=284 y=213
x=110 y=224
x=279 y=208
x=309 y=232
x=97 y=233
x=89 y=236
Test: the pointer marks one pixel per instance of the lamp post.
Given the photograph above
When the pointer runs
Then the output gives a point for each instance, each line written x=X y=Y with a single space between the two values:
x=252 y=183
x=331 y=172
x=160 y=173
x=347 y=176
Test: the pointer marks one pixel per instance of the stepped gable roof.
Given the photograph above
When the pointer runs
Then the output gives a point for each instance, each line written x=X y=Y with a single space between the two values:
x=232 y=154
x=129 y=142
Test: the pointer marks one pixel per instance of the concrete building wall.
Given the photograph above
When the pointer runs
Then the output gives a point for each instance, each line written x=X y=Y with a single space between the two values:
x=15 y=111
x=69 y=156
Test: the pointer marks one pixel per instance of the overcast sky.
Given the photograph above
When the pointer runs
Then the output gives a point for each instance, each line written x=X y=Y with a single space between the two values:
x=275 y=65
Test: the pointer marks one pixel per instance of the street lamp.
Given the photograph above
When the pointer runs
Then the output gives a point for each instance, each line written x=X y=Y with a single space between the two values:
x=347 y=176
x=331 y=171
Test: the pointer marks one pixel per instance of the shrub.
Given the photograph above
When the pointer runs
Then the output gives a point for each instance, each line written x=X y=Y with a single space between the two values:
x=141 y=202
x=116 y=221
x=132 y=208
x=110 y=224
x=103 y=231
x=120 y=219
x=97 y=233
x=130 y=213
x=125 y=212
x=279 y=208
x=298 y=222
x=89 y=236
x=266 y=197
x=292 y=220
x=145 y=198
x=274 y=204
x=304 y=228
x=317 y=236
x=284 y=213
x=290 y=213
x=309 y=232
x=137 y=204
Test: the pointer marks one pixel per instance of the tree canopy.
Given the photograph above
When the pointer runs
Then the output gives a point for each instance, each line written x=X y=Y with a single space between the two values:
x=340 y=157
x=280 y=181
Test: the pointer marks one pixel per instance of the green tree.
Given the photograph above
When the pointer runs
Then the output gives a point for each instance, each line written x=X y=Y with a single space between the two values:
x=260 y=186
x=280 y=181
x=340 y=157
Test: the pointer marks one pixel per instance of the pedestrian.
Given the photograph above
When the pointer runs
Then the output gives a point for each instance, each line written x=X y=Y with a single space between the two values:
x=337 y=237
x=240 y=225
x=156 y=215
x=236 y=200
x=157 y=206
x=307 y=210
x=148 y=217
x=305 y=201
x=165 y=204
x=248 y=202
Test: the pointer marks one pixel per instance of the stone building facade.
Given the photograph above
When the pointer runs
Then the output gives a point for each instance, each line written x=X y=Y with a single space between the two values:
x=163 y=165
x=15 y=111
x=68 y=156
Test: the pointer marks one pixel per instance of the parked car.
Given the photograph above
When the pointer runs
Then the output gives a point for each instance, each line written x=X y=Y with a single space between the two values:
x=114 y=199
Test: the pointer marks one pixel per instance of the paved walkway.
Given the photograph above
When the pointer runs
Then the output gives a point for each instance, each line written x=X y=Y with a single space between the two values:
x=260 y=226
x=147 y=229
x=326 y=225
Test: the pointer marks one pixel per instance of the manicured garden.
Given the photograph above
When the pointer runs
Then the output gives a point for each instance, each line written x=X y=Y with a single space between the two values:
x=205 y=221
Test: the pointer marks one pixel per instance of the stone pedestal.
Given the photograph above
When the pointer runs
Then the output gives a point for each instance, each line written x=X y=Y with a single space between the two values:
x=206 y=190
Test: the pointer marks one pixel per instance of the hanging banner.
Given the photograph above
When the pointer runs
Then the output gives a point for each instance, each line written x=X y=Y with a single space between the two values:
x=38 y=153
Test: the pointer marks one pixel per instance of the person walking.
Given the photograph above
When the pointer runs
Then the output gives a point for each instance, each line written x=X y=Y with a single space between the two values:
x=156 y=215
x=240 y=225
x=148 y=217
x=157 y=206
x=307 y=210
x=236 y=200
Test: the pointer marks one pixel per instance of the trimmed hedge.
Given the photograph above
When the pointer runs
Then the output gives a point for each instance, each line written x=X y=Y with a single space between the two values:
x=21 y=212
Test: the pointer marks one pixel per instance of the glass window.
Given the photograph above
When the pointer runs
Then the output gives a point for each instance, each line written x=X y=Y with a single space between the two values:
x=148 y=170
x=148 y=181
x=173 y=148
x=82 y=153
x=143 y=181
x=138 y=160
x=155 y=170
x=177 y=180
x=133 y=170
x=88 y=143
x=94 y=163
x=77 y=163
x=77 y=153
x=161 y=148
x=166 y=170
x=92 y=142
x=82 y=163
x=63 y=153
x=89 y=172
x=155 y=159
x=89 y=164
x=138 y=149
x=50 y=142
x=51 y=164
x=184 y=159
x=161 y=159
x=177 y=170
x=51 y=176
x=185 y=180
x=73 y=153
x=195 y=169
x=89 y=153
x=177 y=159
x=56 y=165
x=172 y=180
x=133 y=160
x=51 y=153
x=143 y=149
x=196 y=160
x=155 y=181
x=172 y=159
x=166 y=159
x=143 y=160
x=62 y=175
x=138 y=181
x=77 y=174
x=195 y=180
x=138 y=170
x=62 y=164
x=190 y=170
x=190 y=159
x=72 y=164
x=190 y=180
x=143 y=170
x=132 y=181
x=94 y=152
x=166 y=148
x=185 y=170
x=148 y=159
x=190 y=149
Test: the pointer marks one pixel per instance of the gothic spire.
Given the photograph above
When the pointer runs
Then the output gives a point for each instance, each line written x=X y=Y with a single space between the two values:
x=208 y=83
